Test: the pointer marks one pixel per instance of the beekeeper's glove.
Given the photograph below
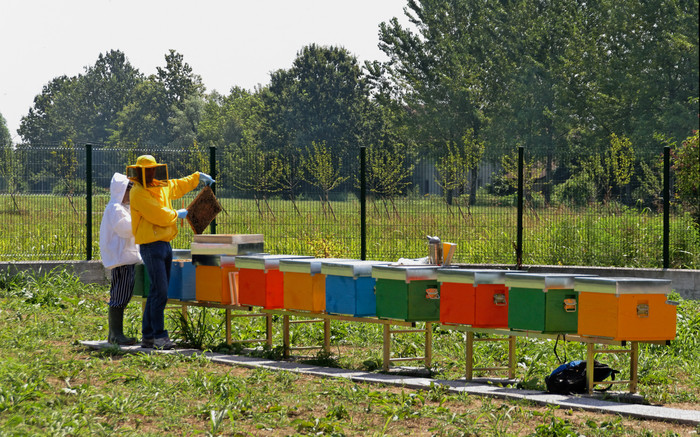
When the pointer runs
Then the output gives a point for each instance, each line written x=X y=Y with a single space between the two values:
x=181 y=213
x=206 y=178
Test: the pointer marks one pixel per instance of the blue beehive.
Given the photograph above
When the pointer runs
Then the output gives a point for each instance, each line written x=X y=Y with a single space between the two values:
x=182 y=276
x=350 y=288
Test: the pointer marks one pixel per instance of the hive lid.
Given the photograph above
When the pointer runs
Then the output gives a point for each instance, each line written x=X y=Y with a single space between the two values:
x=227 y=260
x=474 y=276
x=353 y=268
x=306 y=265
x=199 y=248
x=229 y=238
x=542 y=281
x=405 y=273
x=263 y=261
x=213 y=260
x=618 y=286
x=182 y=254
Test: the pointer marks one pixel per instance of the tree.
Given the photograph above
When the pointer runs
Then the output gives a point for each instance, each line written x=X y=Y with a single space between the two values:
x=291 y=174
x=557 y=77
x=49 y=119
x=178 y=80
x=654 y=47
x=232 y=124
x=389 y=170
x=164 y=109
x=257 y=171
x=9 y=165
x=638 y=72
x=613 y=168
x=532 y=171
x=387 y=121
x=144 y=120
x=103 y=91
x=82 y=108
x=184 y=123
x=5 y=137
x=323 y=169
x=457 y=164
x=228 y=120
x=323 y=98
x=543 y=43
x=447 y=69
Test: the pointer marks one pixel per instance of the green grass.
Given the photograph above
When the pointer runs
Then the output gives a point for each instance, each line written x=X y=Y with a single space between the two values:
x=50 y=385
x=52 y=227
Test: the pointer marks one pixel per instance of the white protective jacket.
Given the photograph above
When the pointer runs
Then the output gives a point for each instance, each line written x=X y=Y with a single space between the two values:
x=117 y=244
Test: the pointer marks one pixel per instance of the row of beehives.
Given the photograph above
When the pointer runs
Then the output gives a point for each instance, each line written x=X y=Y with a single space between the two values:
x=632 y=309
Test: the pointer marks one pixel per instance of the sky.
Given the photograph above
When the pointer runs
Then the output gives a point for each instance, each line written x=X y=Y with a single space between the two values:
x=226 y=42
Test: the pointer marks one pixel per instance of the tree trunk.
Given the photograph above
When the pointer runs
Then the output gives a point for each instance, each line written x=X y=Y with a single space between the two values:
x=473 y=185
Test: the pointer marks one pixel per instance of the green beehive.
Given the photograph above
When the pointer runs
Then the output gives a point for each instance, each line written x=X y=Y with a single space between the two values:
x=407 y=293
x=543 y=302
x=142 y=283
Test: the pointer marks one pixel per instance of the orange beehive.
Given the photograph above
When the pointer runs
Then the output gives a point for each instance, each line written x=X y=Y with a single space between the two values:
x=476 y=297
x=304 y=284
x=625 y=309
x=212 y=283
x=456 y=303
x=260 y=282
x=304 y=291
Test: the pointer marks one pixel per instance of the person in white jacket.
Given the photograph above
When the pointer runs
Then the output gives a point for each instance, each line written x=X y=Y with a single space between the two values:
x=120 y=253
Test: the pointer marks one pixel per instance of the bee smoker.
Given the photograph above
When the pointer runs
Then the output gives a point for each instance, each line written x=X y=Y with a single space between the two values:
x=434 y=250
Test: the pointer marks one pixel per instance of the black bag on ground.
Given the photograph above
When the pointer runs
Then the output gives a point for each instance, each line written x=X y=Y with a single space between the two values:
x=571 y=377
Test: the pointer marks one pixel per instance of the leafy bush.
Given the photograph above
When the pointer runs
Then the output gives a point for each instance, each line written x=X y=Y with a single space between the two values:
x=687 y=167
x=194 y=329
x=578 y=190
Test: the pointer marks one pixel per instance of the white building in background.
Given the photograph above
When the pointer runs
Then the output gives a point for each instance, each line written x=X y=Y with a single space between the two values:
x=425 y=175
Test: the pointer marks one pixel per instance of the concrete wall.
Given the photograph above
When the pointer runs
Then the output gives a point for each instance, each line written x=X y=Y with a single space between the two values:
x=87 y=271
x=685 y=282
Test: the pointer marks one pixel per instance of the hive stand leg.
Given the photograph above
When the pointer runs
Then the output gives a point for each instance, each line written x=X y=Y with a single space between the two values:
x=387 y=348
x=228 y=326
x=634 y=354
x=285 y=335
x=428 y=344
x=511 y=357
x=327 y=335
x=470 y=356
x=590 y=366
x=268 y=329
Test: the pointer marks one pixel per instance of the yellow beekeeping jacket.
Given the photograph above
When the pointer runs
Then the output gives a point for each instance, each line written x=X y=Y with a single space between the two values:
x=152 y=216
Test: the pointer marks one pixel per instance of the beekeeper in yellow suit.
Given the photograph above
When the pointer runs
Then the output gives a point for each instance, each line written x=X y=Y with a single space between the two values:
x=154 y=224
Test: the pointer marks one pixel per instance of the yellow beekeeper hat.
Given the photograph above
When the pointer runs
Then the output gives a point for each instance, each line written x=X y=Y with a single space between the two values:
x=137 y=172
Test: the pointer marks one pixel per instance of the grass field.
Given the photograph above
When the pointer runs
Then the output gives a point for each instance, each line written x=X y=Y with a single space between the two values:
x=53 y=227
x=50 y=385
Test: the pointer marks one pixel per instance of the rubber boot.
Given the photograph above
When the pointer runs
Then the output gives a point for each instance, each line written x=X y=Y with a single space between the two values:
x=116 y=328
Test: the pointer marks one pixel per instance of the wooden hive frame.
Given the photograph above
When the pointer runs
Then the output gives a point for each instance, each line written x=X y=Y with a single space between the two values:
x=202 y=210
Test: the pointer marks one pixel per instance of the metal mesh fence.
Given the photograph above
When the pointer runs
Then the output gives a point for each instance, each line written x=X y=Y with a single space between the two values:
x=565 y=220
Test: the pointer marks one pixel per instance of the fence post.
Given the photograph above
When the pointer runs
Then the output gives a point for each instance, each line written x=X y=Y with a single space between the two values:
x=88 y=202
x=667 y=201
x=363 y=203
x=519 y=243
x=212 y=173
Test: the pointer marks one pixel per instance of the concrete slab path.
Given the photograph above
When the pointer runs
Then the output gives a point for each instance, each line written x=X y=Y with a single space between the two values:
x=402 y=379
